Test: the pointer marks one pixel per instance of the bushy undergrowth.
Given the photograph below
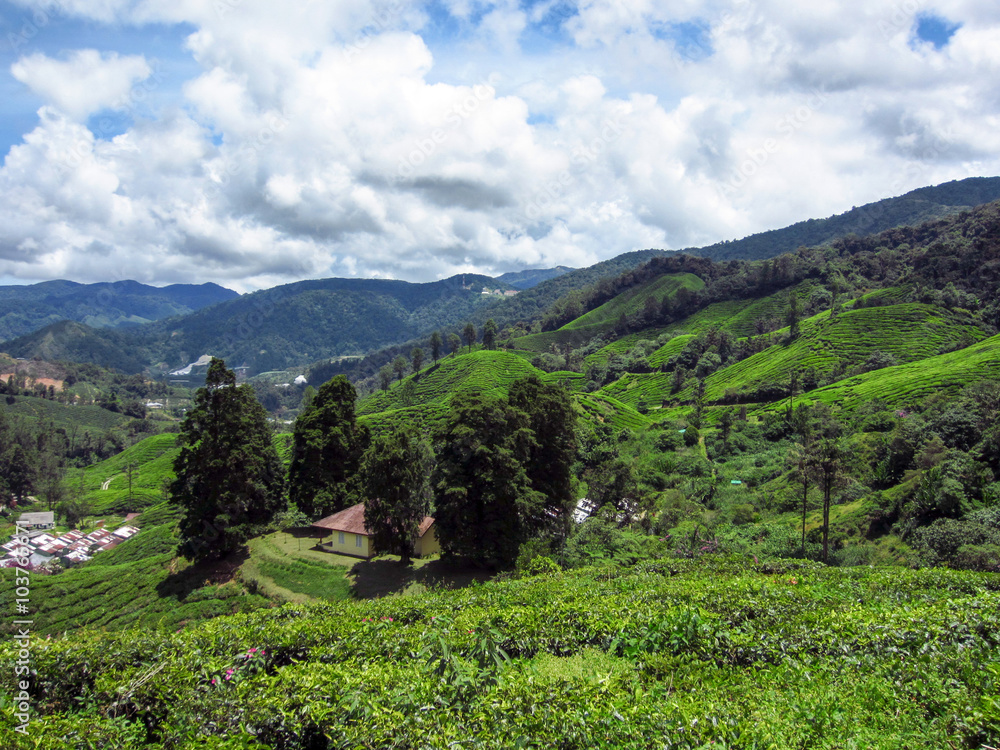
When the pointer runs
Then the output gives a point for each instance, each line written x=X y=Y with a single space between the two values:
x=720 y=652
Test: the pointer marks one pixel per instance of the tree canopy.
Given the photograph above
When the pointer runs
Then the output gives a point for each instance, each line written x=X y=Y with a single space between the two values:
x=327 y=447
x=230 y=481
x=396 y=474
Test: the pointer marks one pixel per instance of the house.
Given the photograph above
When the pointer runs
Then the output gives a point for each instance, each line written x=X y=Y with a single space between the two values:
x=43 y=520
x=348 y=535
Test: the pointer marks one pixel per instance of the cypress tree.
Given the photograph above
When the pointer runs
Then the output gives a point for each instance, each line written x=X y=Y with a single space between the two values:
x=230 y=481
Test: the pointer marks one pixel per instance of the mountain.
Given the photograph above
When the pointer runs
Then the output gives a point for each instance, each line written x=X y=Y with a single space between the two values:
x=69 y=341
x=532 y=276
x=309 y=321
x=24 y=309
x=916 y=207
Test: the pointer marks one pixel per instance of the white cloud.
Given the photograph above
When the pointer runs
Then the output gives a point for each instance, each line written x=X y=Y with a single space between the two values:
x=350 y=139
x=85 y=82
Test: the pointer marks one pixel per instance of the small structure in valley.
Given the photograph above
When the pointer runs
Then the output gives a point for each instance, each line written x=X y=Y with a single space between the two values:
x=42 y=520
x=348 y=535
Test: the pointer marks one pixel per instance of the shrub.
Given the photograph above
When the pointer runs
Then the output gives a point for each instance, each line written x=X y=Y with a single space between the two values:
x=985 y=557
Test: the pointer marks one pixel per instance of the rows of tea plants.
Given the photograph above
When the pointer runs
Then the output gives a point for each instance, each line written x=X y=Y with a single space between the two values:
x=720 y=653
x=908 y=332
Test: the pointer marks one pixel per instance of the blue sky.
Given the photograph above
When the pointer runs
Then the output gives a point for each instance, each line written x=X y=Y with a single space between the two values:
x=249 y=144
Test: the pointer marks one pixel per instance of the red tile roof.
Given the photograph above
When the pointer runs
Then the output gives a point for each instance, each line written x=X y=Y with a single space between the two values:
x=352 y=520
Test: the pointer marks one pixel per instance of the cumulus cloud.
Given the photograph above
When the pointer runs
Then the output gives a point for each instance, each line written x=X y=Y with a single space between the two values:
x=85 y=82
x=398 y=139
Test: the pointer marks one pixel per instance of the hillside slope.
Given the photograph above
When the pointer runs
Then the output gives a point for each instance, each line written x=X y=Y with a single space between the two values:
x=916 y=207
x=24 y=309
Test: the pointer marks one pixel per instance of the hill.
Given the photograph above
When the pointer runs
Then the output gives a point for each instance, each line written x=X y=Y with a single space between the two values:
x=69 y=341
x=24 y=309
x=532 y=277
x=916 y=207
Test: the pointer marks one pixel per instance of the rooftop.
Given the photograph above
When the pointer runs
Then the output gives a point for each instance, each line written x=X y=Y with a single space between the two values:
x=352 y=520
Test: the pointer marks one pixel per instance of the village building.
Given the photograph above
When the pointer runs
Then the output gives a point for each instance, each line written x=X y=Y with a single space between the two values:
x=345 y=533
x=42 y=520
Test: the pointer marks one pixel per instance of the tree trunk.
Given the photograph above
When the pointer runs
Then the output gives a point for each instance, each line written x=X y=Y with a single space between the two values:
x=827 y=491
x=805 y=494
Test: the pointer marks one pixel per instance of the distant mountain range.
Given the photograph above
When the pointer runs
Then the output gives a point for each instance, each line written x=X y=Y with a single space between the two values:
x=308 y=321
x=532 y=277
x=24 y=309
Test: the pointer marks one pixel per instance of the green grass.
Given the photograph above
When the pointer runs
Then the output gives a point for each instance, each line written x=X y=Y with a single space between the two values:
x=281 y=570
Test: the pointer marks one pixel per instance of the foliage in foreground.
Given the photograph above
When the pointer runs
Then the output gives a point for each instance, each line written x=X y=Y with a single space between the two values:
x=673 y=654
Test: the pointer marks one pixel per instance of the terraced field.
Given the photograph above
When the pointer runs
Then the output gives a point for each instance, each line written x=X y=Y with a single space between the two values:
x=600 y=407
x=87 y=417
x=909 y=332
x=479 y=370
x=631 y=388
x=633 y=300
x=911 y=383
x=152 y=592
x=602 y=320
x=105 y=484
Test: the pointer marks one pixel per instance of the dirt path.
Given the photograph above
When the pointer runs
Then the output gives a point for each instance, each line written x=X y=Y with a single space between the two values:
x=108 y=481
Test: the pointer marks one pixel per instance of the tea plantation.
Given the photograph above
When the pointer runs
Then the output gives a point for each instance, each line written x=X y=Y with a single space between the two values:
x=709 y=653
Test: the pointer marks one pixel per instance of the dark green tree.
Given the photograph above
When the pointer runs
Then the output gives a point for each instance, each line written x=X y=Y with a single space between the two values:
x=793 y=315
x=385 y=377
x=454 y=343
x=552 y=421
x=469 y=334
x=490 y=335
x=229 y=479
x=436 y=346
x=396 y=475
x=825 y=460
x=417 y=357
x=326 y=450
x=399 y=366
x=484 y=497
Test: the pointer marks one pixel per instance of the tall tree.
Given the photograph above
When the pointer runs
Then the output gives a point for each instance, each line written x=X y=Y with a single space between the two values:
x=454 y=343
x=826 y=464
x=490 y=335
x=230 y=481
x=417 y=357
x=399 y=366
x=385 y=377
x=469 y=334
x=552 y=421
x=483 y=493
x=326 y=450
x=396 y=475
x=793 y=314
x=436 y=345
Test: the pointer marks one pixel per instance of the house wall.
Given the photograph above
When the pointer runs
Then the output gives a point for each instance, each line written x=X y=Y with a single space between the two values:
x=350 y=544
x=427 y=544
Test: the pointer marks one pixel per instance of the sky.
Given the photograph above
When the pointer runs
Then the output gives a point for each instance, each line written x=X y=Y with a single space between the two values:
x=253 y=143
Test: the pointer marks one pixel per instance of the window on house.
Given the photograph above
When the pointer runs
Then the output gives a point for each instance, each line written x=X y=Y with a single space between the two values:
x=340 y=537
x=357 y=540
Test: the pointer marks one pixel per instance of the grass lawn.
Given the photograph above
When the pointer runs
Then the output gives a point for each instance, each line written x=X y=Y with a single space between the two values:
x=293 y=567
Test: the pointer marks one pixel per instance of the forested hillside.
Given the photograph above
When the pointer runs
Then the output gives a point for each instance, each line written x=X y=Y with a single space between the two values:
x=24 y=309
